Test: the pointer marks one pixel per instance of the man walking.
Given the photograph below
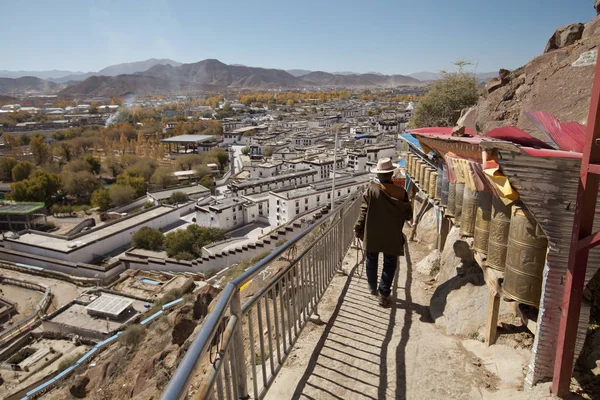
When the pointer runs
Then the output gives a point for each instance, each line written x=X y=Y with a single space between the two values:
x=384 y=209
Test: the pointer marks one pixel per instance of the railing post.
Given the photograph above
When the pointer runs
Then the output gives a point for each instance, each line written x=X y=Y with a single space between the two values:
x=239 y=357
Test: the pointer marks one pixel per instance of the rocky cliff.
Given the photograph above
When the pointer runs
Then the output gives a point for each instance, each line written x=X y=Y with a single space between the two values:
x=558 y=82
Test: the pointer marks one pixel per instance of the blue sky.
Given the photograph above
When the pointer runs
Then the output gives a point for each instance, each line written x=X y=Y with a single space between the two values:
x=393 y=36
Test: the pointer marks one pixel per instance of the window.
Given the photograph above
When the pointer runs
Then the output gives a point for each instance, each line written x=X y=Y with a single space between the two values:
x=306 y=208
x=277 y=202
x=348 y=190
x=306 y=201
x=240 y=208
x=318 y=198
x=234 y=217
x=328 y=196
x=339 y=192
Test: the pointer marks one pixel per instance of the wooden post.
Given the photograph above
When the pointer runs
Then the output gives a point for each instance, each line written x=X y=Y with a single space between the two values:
x=492 y=318
x=443 y=234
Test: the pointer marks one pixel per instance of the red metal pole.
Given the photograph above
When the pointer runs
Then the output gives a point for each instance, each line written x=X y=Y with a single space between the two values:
x=585 y=209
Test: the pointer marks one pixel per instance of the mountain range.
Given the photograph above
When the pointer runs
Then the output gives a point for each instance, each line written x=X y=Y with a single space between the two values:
x=160 y=76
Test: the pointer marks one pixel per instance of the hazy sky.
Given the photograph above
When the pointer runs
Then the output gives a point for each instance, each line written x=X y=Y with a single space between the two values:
x=393 y=36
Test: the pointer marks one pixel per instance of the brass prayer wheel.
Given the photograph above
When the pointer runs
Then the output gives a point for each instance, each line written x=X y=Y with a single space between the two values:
x=482 y=222
x=460 y=189
x=422 y=169
x=525 y=258
x=451 y=210
x=498 y=236
x=469 y=212
x=433 y=184
x=445 y=185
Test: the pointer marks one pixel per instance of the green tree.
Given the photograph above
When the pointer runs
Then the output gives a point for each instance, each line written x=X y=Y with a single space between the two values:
x=227 y=107
x=144 y=167
x=178 y=242
x=163 y=177
x=10 y=141
x=6 y=166
x=24 y=139
x=77 y=165
x=148 y=238
x=39 y=149
x=114 y=166
x=207 y=182
x=121 y=194
x=137 y=183
x=82 y=183
x=246 y=150
x=188 y=161
x=101 y=199
x=22 y=170
x=452 y=93
x=268 y=152
x=178 y=197
x=221 y=155
x=94 y=163
x=40 y=186
x=64 y=150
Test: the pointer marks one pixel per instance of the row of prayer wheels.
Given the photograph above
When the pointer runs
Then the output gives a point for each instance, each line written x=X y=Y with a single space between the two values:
x=423 y=174
x=508 y=235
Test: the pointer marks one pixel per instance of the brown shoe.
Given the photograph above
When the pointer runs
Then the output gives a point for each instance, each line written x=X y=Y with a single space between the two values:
x=385 y=301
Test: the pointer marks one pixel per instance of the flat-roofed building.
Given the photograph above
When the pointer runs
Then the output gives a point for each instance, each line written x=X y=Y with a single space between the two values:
x=108 y=305
x=19 y=216
x=296 y=178
x=190 y=143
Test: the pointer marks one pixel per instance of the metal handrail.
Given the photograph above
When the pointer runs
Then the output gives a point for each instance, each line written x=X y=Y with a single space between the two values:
x=233 y=363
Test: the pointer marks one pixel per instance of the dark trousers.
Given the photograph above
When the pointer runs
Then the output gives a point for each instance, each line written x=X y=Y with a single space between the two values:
x=390 y=263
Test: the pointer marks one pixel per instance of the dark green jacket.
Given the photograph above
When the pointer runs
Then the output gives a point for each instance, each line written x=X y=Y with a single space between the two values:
x=385 y=208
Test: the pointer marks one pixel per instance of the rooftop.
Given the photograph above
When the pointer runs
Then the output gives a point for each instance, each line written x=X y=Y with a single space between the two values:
x=188 y=190
x=189 y=139
x=62 y=244
x=12 y=208
x=109 y=305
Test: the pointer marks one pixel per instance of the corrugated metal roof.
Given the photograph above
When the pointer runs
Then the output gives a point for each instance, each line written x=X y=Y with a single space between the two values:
x=548 y=187
x=569 y=136
x=515 y=135
x=441 y=130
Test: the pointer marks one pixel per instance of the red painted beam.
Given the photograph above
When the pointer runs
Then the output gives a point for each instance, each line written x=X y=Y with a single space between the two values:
x=589 y=242
x=594 y=169
x=585 y=210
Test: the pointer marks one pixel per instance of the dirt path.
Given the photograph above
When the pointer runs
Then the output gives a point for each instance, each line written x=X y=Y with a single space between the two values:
x=363 y=351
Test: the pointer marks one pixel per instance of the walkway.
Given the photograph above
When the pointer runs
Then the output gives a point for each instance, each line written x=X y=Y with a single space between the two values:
x=363 y=351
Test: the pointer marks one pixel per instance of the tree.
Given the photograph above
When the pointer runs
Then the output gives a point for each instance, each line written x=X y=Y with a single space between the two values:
x=40 y=186
x=148 y=238
x=121 y=194
x=137 y=183
x=22 y=170
x=81 y=183
x=114 y=166
x=268 y=151
x=101 y=199
x=178 y=242
x=163 y=177
x=144 y=167
x=221 y=155
x=24 y=139
x=227 y=107
x=207 y=182
x=188 y=161
x=39 y=149
x=290 y=103
x=452 y=93
x=77 y=165
x=178 y=197
x=246 y=150
x=6 y=166
x=94 y=163
x=64 y=150
x=10 y=141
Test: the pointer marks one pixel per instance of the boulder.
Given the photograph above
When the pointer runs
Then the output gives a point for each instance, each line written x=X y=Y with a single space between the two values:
x=565 y=36
x=493 y=85
x=429 y=264
x=459 y=303
x=77 y=388
x=427 y=227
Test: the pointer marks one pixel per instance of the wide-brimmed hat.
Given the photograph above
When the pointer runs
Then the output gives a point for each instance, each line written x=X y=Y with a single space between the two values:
x=384 y=166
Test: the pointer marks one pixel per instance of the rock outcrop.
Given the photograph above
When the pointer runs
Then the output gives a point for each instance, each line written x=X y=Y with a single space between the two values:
x=77 y=388
x=597 y=7
x=553 y=82
x=565 y=36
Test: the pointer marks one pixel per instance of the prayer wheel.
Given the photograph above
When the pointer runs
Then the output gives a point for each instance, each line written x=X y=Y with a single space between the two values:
x=433 y=184
x=498 y=236
x=469 y=212
x=451 y=210
x=409 y=162
x=460 y=190
x=422 y=170
x=427 y=183
x=445 y=185
x=438 y=189
x=525 y=258
x=482 y=222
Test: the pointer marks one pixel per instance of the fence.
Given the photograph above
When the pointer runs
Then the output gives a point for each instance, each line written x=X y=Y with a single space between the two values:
x=271 y=319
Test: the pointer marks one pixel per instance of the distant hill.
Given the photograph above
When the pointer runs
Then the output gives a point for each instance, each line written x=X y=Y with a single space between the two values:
x=298 y=72
x=8 y=99
x=60 y=76
x=321 y=78
x=25 y=85
x=38 y=74
x=114 y=86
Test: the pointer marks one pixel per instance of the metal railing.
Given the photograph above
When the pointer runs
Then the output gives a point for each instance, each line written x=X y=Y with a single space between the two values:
x=259 y=336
